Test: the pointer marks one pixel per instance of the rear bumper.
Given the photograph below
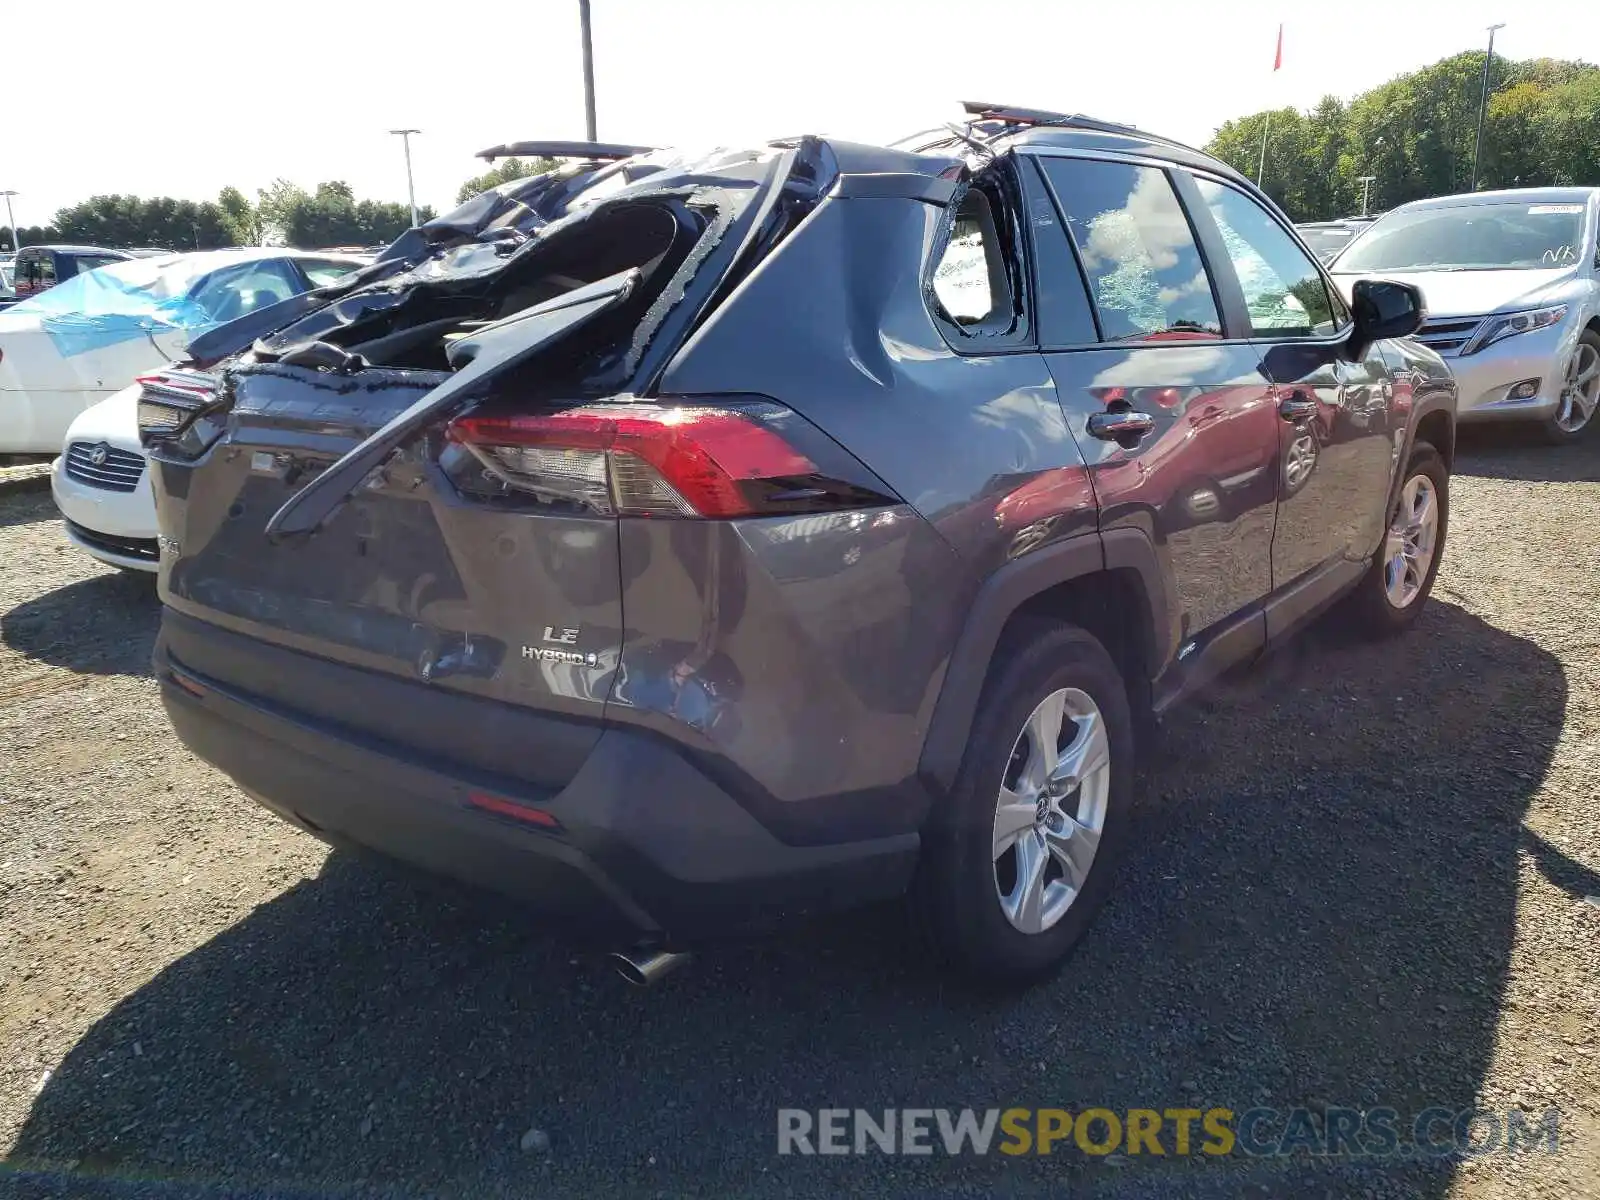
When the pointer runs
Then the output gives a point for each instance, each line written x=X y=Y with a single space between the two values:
x=647 y=848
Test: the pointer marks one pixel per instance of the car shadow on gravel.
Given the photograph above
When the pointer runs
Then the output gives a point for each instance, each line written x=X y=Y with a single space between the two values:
x=1319 y=913
x=1567 y=873
x=1512 y=452
x=103 y=625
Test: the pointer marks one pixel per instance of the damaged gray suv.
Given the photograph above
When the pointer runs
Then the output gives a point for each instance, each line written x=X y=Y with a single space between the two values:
x=680 y=543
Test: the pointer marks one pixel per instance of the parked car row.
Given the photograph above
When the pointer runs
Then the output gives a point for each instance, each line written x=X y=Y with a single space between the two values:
x=1327 y=239
x=70 y=355
x=678 y=543
x=36 y=269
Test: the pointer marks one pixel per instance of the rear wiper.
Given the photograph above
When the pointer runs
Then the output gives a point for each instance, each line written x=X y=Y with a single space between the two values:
x=485 y=353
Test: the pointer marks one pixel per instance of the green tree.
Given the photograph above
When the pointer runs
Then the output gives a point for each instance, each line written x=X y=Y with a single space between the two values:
x=28 y=235
x=240 y=217
x=1568 y=131
x=274 y=207
x=283 y=213
x=1325 y=189
x=156 y=221
x=1416 y=134
x=509 y=169
x=332 y=216
x=1284 y=178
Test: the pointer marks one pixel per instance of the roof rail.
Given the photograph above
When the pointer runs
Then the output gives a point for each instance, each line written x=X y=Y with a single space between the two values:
x=1012 y=115
x=595 y=151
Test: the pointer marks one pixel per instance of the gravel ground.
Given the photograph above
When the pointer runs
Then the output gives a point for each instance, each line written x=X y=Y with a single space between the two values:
x=1368 y=875
x=25 y=475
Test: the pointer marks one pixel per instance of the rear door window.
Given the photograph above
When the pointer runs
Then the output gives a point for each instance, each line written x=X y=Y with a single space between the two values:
x=1144 y=269
x=1284 y=293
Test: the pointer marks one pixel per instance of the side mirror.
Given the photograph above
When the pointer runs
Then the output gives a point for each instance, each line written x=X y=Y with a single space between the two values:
x=1385 y=309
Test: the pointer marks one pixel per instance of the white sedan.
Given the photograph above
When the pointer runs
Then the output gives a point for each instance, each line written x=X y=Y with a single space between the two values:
x=102 y=488
x=100 y=482
x=77 y=343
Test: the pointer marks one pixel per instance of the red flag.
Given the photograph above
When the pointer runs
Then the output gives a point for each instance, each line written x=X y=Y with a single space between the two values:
x=1277 y=59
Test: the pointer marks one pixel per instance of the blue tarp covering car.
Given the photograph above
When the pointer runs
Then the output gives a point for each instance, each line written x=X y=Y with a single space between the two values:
x=125 y=300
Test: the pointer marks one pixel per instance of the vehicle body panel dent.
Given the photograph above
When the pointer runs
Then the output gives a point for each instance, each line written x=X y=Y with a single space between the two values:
x=736 y=629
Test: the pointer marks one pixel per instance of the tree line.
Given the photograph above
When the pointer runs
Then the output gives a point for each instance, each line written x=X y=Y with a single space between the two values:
x=1415 y=135
x=329 y=216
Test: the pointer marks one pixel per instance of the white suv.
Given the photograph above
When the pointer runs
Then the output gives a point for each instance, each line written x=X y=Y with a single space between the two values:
x=1511 y=281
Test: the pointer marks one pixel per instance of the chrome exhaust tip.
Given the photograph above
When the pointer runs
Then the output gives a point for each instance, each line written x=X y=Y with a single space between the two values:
x=645 y=967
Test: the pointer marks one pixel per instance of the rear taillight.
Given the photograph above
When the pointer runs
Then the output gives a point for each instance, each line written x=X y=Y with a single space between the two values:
x=665 y=459
x=169 y=404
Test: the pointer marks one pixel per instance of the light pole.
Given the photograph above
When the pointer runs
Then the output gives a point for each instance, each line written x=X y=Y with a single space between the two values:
x=588 y=70
x=12 y=221
x=411 y=191
x=1483 y=107
x=1366 y=188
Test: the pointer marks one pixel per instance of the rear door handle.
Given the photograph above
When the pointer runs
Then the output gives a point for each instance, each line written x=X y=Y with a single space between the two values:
x=1114 y=426
x=1297 y=407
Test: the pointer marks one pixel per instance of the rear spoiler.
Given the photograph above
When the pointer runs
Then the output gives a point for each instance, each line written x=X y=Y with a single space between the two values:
x=594 y=151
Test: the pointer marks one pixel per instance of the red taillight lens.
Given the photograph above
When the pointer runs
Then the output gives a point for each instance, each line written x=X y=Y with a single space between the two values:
x=175 y=381
x=168 y=401
x=500 y=806
x=664 y=460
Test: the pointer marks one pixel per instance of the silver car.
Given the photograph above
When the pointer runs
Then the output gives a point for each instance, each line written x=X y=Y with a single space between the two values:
x=1511 y=281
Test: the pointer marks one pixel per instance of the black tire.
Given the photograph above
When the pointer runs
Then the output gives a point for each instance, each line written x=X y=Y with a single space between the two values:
x=955 y=898
x=1368 y=609
x=1553 y=433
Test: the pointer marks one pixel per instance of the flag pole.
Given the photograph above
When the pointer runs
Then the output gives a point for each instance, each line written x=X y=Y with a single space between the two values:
x=1266 y=125
x=1261 y=165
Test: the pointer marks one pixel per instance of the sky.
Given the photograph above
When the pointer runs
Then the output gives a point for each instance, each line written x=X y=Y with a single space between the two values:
x=183 y=97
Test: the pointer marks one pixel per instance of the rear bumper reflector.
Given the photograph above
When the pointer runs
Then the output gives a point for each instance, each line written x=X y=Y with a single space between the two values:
x=510 y=808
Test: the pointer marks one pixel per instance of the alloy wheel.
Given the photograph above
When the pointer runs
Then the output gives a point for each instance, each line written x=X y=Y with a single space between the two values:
x=1412 y=541
x=1051 y=811
x=1580 y=391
